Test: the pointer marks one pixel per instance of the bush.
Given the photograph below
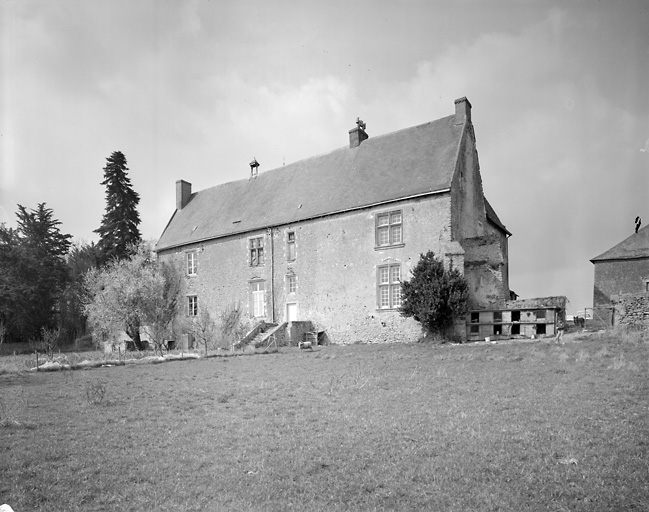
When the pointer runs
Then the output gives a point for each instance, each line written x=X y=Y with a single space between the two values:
x=434 y=296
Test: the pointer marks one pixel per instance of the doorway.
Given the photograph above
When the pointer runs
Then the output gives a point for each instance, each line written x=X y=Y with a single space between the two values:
x=291 y=312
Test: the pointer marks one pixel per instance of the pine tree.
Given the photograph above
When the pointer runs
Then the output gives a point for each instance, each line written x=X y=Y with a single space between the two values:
x=119 y=231
x=434 y=296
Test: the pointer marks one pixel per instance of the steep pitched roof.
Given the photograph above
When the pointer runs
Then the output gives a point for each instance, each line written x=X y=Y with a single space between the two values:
x=410 y=162
x=633 y=247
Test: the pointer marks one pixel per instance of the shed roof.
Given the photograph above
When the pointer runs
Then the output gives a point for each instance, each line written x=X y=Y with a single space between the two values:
x=634 y=247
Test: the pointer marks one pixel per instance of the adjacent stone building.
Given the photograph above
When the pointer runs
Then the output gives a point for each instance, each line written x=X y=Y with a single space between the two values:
x=329 y=239
x=621 y=275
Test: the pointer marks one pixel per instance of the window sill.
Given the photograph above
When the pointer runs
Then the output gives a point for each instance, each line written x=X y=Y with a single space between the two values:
x=388 y=309
x=381 y=247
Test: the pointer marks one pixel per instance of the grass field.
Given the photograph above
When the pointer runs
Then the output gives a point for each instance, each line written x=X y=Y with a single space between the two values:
x=521 y=426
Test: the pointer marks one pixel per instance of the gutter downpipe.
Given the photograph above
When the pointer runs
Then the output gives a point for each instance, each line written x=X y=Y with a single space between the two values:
x=272 y=276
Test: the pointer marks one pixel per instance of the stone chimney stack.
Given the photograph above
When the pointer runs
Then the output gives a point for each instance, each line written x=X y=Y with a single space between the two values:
x=462 y=111
x=183 y=193
x=358 y=134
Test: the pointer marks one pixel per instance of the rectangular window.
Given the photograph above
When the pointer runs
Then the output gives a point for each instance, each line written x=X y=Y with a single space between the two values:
x=389 y=286
x=192 y=305
x=256 y=251
x=192 y=263
x=290 y=246
x=258 y=299
x=389 y=229
x=291 y=284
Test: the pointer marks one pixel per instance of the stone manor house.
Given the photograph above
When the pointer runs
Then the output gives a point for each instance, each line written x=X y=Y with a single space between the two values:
x=329 y=239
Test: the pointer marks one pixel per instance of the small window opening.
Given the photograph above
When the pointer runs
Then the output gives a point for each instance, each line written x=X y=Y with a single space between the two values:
x=475 y=318
x=540 y=313
x=516 y=316
x=516 y=329
x=540 y=328
x=498 y=330
x=498 y=316
x=475 y=329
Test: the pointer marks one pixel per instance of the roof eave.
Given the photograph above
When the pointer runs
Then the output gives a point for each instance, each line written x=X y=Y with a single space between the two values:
x=235 y=233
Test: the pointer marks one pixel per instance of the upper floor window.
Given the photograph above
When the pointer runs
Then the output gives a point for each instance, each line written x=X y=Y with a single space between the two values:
x=291 y=284
x=389 y=229
x=389 y=286
x=192 y=305
x=192 y=263
x=290 y=246
x=256 y=251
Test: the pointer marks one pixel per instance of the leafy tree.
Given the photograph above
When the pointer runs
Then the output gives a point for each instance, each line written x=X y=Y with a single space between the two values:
x=119 y=230
x=203 y=327
x=80 y=259
x=131 y=293
x=434 y=296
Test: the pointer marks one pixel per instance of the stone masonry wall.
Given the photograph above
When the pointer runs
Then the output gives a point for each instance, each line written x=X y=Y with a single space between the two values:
x=619 y=277
x=335 y=270
x=631 y=309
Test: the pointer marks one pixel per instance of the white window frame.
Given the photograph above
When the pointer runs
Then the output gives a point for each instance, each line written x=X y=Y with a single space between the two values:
x=192 y=263
x=388 y=229
x=258 y=299
x=291 y=283
x=388 y=286
x=192 y=305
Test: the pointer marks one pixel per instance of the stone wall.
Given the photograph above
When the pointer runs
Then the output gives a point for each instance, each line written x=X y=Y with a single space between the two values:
x=335 y=270
x=619 y=277
x=631 y=309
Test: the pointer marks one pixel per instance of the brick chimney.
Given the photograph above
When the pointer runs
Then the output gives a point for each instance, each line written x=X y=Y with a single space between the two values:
x=462 y=111
x=358 y=134
x=183 y=193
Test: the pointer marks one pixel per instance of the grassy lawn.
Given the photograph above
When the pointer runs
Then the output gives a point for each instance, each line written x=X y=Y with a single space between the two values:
x=520 y=426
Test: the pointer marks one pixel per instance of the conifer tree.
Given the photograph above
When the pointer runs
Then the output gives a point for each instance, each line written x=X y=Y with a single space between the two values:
x=44 y=270
x=119 y=230
x=434 y=296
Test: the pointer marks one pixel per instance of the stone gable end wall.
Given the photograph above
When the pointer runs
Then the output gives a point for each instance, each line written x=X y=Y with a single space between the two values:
x=618 y=277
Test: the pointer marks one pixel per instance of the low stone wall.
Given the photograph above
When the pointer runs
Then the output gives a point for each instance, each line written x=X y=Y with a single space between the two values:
x=631 y=309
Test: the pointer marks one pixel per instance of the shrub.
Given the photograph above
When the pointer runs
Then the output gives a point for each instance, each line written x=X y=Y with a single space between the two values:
x=434 y=296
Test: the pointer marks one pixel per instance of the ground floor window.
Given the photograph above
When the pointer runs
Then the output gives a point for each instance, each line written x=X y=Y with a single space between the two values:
x=258 y=290
x=389 y=286
x=192 y=305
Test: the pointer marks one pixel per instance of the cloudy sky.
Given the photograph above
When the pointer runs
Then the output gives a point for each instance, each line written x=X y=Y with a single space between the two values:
x=195 y=89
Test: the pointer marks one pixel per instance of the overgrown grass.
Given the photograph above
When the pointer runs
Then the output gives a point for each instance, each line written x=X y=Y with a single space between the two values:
x=521 y=426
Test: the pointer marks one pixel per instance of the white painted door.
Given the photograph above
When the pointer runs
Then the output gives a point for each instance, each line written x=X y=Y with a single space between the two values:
x=291 y=312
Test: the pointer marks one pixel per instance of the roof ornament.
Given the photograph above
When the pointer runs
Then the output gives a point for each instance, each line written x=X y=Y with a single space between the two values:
x=360 y=124
x=638 y=223
x=254 y=168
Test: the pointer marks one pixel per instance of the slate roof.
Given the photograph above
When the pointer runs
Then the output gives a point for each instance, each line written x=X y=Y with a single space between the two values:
x=634 y=247
x=415 y=161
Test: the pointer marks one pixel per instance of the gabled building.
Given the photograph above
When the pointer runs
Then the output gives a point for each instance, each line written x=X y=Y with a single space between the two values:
x=621 y=271
x=329 y=239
